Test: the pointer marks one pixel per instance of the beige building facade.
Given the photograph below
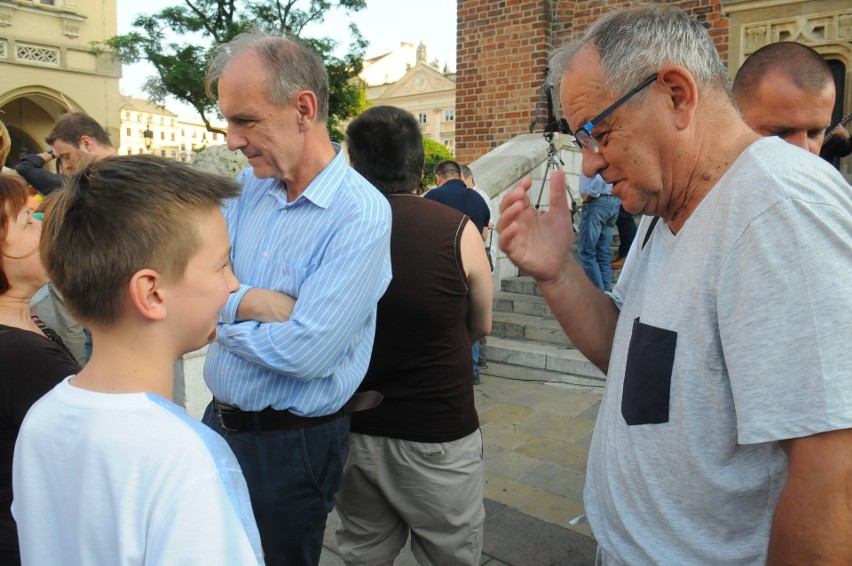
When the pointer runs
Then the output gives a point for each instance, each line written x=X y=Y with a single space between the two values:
x=47 y=68
x=406 y=79
x=170 y=136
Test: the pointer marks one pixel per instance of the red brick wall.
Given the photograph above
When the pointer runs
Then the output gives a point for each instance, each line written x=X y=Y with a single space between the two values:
x=502 y=50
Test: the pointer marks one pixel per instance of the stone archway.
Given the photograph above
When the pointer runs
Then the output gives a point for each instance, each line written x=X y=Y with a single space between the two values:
x=29 y=114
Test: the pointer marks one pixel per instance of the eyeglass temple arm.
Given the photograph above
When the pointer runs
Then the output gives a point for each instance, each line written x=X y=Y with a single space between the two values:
x=621 y=100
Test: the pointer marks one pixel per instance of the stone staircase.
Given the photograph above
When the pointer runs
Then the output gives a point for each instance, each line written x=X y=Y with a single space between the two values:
x=527 y=343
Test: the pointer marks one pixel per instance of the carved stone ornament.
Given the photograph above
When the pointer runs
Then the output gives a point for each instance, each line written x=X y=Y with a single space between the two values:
x=71 y=28
x=5 y=17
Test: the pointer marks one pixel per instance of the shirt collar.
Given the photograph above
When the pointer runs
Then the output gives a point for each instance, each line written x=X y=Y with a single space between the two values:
x=321 y=190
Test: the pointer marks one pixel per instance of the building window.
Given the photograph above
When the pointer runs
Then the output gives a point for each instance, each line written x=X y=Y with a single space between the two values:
x=129 y=151
x=450 y=115
x=450 y=144
x=163 y=136
x=128 y=132
x=215 y=136
x=173 y=154
x=140 y=150
x=422 y=118
x=162 y=153
x=173 y=136
x=193 y=134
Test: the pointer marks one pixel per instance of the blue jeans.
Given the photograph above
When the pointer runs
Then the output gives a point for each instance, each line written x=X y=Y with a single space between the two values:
x=597 y=220
x=476 y=356
x=292 y=476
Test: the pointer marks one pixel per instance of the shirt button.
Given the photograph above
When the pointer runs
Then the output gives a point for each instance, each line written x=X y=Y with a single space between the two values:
x=265 y=253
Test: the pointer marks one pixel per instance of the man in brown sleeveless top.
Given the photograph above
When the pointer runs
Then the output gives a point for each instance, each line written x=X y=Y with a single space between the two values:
x=415 y=462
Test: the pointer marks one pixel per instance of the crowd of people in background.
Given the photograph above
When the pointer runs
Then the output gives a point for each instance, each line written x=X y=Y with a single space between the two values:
x=344 y=315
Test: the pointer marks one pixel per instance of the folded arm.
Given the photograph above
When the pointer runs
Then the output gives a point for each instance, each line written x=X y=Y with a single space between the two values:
x=335 y=302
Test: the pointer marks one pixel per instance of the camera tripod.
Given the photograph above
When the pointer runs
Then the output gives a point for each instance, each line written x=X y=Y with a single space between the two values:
x=552 y=124
x=555 y=162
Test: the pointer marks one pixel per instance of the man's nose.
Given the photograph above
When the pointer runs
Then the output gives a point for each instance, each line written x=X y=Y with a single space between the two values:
x=593 y=163
x=234 y=140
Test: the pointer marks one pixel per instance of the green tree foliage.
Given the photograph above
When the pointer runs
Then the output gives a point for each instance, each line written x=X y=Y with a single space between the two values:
x=435 y=153
x=178 y=42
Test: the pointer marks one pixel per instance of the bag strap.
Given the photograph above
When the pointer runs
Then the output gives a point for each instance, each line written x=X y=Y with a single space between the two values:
x=650 y=230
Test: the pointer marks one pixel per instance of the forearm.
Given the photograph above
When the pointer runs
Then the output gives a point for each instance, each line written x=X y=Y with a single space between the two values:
x=813 y=519
x=31 y=168
x=587 y=315
x=264 y=305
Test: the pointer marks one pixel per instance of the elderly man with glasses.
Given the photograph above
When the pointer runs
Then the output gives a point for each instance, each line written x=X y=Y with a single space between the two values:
x=724 y=432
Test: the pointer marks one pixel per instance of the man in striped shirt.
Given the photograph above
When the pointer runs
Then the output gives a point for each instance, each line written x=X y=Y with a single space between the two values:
x=311 y=247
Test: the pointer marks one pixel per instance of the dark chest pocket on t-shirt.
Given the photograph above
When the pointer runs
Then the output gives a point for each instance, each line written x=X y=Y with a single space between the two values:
x=648 y=375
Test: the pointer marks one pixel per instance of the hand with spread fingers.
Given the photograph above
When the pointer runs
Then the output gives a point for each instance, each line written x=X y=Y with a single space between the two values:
x=537 y=242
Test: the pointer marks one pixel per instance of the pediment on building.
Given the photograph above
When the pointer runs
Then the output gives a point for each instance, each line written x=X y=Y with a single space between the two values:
x=420 y=79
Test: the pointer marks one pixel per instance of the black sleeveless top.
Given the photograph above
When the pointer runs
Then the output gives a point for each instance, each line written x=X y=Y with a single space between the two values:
x=421 y=360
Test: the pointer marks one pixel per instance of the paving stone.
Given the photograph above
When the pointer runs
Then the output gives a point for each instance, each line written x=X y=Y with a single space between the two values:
x=590 y=414
x=585 y=441
x=509 y=491
x=565 y=454
x=555 y=478
x=503 y=437
x=528 y=542
x=582 y=406
x=504 y=414
x=507 y=463
x=556 y=426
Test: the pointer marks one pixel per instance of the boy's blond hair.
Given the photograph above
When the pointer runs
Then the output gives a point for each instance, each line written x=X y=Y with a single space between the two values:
x=118 y=216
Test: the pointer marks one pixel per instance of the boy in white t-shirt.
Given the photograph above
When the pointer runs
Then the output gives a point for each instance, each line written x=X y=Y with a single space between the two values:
x=107 y=469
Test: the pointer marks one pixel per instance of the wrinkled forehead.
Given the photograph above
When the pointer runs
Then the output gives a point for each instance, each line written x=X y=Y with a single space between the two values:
x=582 y=91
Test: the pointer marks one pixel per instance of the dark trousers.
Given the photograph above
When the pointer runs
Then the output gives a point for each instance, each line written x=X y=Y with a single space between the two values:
x=626 y=226
x=292 y=476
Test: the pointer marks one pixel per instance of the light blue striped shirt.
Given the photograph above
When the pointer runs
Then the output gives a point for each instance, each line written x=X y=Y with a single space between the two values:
x=330 y=250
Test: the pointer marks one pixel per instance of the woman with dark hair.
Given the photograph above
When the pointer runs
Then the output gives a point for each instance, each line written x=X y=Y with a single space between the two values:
x=32 y=358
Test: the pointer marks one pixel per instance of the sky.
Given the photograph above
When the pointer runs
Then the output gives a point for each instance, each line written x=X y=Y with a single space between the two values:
x=384 y=23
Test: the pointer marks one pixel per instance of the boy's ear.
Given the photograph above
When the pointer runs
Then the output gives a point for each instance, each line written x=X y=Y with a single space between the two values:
x=146 y=296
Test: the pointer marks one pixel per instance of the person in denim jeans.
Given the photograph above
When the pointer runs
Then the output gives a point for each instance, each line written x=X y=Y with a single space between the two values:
x=597 y=219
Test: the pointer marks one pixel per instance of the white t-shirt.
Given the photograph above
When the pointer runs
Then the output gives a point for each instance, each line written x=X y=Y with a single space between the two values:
x=127 y=479
x=747 y=310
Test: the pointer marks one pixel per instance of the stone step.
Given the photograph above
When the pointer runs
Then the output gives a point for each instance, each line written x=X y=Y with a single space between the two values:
x=540 y=356
x=522 y=284
x=521 y=304
x=519 y=326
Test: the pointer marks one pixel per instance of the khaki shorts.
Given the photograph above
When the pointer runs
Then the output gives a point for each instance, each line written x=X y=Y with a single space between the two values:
x=433 y=490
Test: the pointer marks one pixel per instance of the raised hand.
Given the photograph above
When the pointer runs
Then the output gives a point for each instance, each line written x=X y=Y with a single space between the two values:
x=537 y=242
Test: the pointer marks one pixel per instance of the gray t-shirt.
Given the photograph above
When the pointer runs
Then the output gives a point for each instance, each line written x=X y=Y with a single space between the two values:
x=732 y=336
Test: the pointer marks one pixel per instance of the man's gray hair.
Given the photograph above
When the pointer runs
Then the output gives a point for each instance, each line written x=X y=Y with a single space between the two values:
x=291 y=68
x=636 y=42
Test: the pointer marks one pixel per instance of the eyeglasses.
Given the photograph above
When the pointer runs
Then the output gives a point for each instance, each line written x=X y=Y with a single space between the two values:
x=583 y=137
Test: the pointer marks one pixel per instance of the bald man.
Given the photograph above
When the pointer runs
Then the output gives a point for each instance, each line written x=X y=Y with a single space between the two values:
x=786 y=89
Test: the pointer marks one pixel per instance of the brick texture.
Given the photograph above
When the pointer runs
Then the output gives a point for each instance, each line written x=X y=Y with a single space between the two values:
x=502 y=51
